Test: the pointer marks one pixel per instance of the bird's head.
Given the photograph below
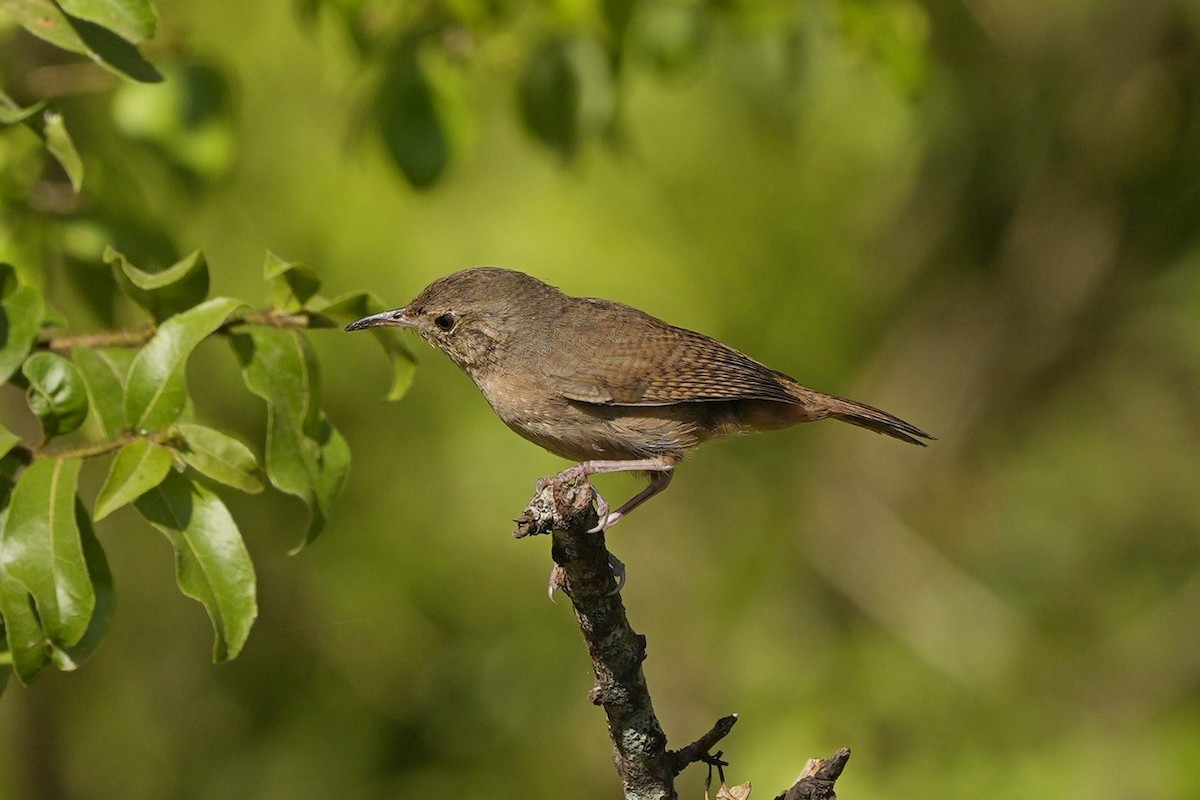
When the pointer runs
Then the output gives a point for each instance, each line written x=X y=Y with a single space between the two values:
x=470 y=315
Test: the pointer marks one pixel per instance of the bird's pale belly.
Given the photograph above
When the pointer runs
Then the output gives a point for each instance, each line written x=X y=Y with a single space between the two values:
x=585 y=431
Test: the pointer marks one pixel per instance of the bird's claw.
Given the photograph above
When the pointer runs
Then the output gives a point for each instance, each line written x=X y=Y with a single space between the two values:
x=558 y=577
x=604 y=519
x=618 y=570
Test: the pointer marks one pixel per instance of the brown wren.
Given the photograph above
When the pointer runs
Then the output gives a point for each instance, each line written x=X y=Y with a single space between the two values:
x=607 y=385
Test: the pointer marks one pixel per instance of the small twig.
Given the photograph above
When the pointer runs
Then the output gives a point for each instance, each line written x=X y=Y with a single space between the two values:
x=817 y=779
x=100 y=448
x=64 y=343
x=699 y=749
x=90 y=450
x=617 y=651
x=26 y=455
x=277 y=319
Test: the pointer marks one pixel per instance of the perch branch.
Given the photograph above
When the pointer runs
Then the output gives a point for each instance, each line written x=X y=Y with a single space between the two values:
x=639 y=745
x=583 y=570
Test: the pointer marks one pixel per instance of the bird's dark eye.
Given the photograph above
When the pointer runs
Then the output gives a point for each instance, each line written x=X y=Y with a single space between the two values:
x=445 y=321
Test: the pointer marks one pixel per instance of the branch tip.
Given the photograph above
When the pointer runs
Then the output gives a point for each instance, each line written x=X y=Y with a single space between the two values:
x=699 y=749
x=817 y=779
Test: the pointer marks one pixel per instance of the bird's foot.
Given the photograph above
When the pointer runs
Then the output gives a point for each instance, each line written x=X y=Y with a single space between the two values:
x=572 y=473
x=579 y=472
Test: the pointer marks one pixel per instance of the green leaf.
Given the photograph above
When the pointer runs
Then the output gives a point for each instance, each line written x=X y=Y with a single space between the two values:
x=20 y=319
x=25 y=642
x=292 y=284
x=104 y=373
x=404 y=363
x=44 y=19
x=136 y=469
x=25 y=646
x=68 y=658
x=166 y=292
x=133 y=20
x=114 y=53
x=568 y=93
x=57 y=393
x=156 y=391
x=220 y=457
x=410 y=124
x=550 y=95
x=618 y=14
x=59 y=143
x=211 y=561
x=306 y=456
x=9 y=282
x=43 y=551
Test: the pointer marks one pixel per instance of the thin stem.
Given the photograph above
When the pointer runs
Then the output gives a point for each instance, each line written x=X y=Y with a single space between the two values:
x=139 y=336
x=101 y=448
x=64 y=344
x=275 y=319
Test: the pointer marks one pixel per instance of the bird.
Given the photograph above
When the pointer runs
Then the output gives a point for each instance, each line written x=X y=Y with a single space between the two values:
x=605 y=384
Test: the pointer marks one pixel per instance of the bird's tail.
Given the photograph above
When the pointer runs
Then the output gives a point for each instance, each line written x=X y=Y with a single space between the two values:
x=865 y=416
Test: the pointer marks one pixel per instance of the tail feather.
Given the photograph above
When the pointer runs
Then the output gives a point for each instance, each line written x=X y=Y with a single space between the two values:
x=873 y=419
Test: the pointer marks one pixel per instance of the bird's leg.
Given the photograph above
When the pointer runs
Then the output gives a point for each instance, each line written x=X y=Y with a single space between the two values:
x=660 y=477
x=660 y=469
x=658 y=482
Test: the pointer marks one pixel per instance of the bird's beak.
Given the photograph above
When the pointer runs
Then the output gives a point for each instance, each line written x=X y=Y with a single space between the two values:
x=392 y=319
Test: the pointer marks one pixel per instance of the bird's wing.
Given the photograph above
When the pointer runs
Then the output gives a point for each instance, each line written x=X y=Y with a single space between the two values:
x=645 y=362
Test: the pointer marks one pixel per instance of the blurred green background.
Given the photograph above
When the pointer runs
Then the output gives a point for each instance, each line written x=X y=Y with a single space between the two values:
x=981 y=215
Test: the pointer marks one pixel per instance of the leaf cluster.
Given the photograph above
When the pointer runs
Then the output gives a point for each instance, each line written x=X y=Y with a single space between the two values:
x=124 y=396
x=107 y=32
x=427 y=63
x=563 y=65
